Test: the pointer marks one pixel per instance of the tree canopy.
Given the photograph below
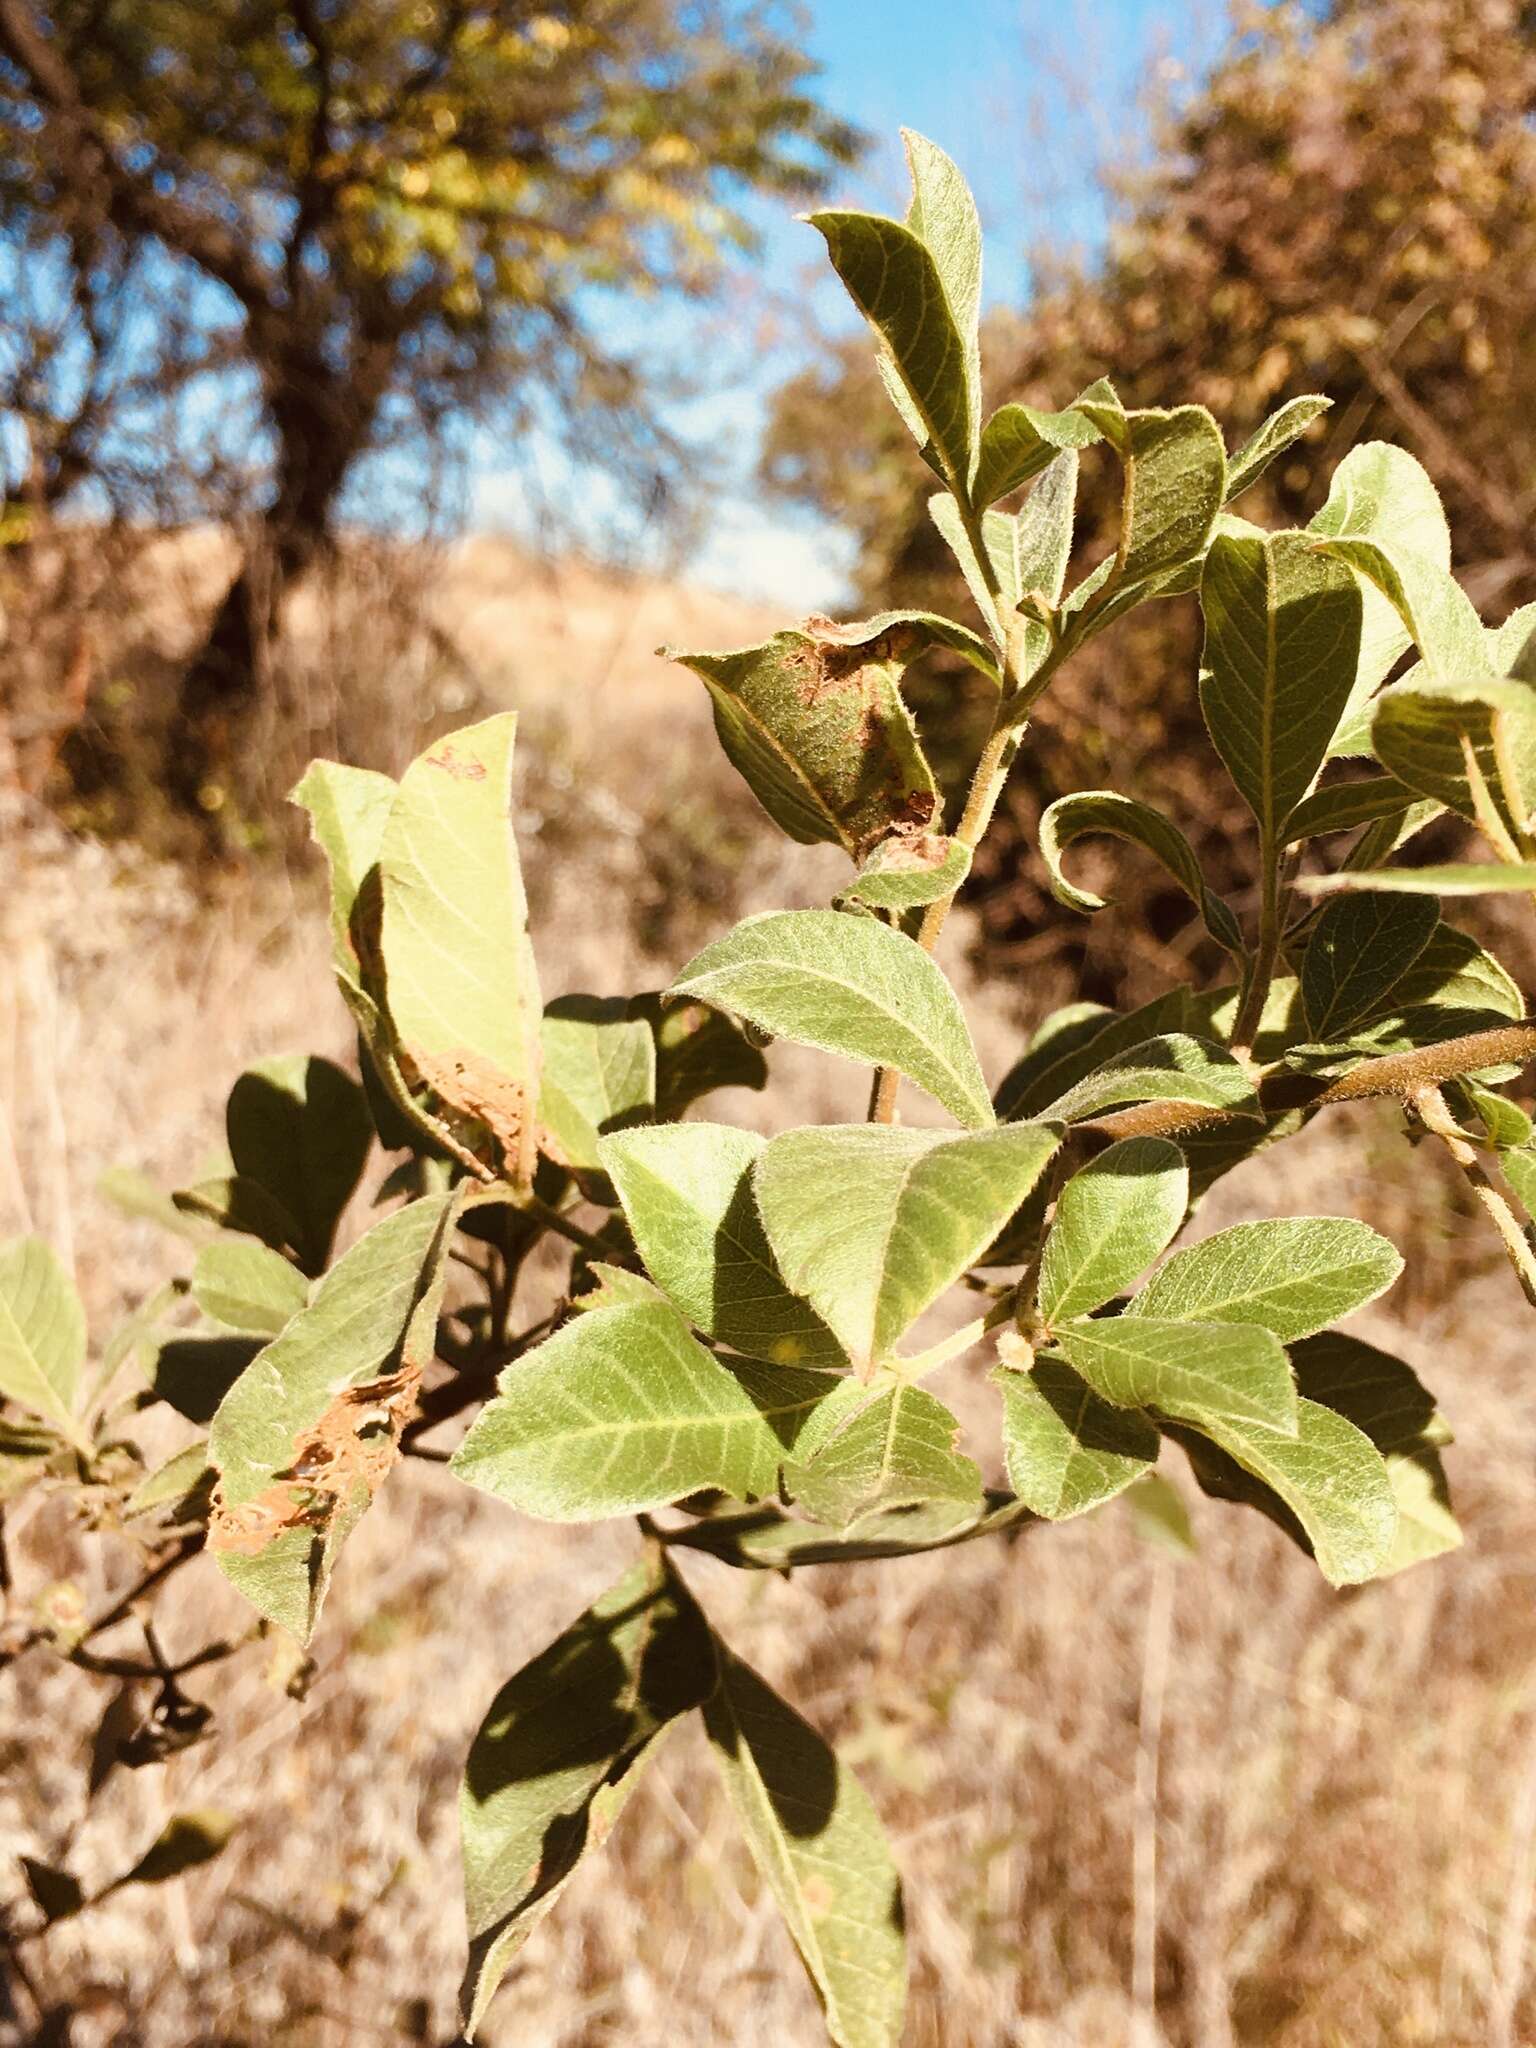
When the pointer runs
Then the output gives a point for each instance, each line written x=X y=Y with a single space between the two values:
x=405 y=212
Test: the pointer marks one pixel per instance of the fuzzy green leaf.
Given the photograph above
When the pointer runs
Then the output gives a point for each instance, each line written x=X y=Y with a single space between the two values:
x=560 y=1751
x=307 y=1433
x=172 y=1482
x=1175 y=466
x=1360 y=949
x=1018 y=442
x=905 y=872
x=819 y=1845
x=851 y=986
x=1089 y=811
x=1380 y=492
x=943 y=216
x=1282 y=635
x=1029 y=550
x=1343 y=805
x=300 y=1128
x=599 y=1073
x=1277 y=433
x=1188 y=1370
x=871 y=1450
x=873 y=1223
x=894 y=280
x=1113 y=1218
x=1292 y=1275
x=687 y=1195
x=1329 y=1476
x=1384 y=1397
x=624 y=1410
x=460 y=982
x=1066 y=1450
x=1172 y=1068
x=1072 y=1041
x=1423 y=727
x=42 y=1335
x=246 y=1286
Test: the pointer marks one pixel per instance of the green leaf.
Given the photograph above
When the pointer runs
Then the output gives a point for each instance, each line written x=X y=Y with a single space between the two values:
x=1434 y=610
x=1385 y=1399
x=1360 y=949
x=247 y=1286
x=1282 y=632
x=624 y=1410
x=1380 y=492
x=819 y=1845
x=1465 y=878
x=873 y=1223
x=179 y=1476
x=460 y=982
x=1172 y=1068
x=1329 y=1476
x=1507 y=1124
x=42 y=1335
x=186 y=1840
x=1519 y=1168
x=558 y=1754
x=1342 y=805
x=1175 y=466
x=1029 y=550
x=904 y=873
x=870 y=1450
x=851 y=986
x=1272 y=439
x=893 y=279
x=348 y=810
x=1454 y=972
x=599 y=1074
x=1422 y=730
x=235 y=1203
x=136 y=1196
x=687 y=1195
x=1089 y=811
x=814 y=721
x=1113 y=1218
x=300 y=1128
x=1018 y=442
x=945 y=511
x=769 y=1539
x=1066 y=1450
x=1292 y=1275
x=1072 y=1041
x=308 y=1432
x=943 y=217
x=1188 y=1370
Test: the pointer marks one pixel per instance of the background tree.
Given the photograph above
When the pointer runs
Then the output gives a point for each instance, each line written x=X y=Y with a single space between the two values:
x=1347 y=204
x=402 y=213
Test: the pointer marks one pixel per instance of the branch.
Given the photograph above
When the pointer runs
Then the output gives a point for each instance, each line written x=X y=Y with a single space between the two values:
x=1400 y=1074
x=132 y=201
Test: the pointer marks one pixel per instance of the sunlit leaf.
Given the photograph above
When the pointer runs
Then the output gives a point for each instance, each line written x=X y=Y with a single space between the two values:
x=246 y=1286
x=1172 y=1068
x=42 y=1335
x=687 y=1195
x=598 y=1074
x=869 y=1450
x=905 y=872
x=1184 y=1369
x=1292 y=1275
x=1092 y=811
x=625 y=1410
x=872 y=1223
x=851 y=986
x=1113 y=1218
x=821 y=1850
x=1067 y=1450
x=1276 y=434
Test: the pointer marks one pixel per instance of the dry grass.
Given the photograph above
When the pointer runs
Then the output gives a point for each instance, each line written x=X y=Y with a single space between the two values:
x=1347 y=1802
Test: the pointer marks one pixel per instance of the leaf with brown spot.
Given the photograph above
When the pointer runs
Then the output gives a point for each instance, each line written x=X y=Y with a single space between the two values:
x=459 y=982
x=307 y=1433
x=814 y=721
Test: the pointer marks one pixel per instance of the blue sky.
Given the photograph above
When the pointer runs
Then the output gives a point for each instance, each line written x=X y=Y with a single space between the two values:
x=1030 y=97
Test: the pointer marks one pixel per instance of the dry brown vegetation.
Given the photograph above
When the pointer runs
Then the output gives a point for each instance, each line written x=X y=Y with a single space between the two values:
x=1342 y=1799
